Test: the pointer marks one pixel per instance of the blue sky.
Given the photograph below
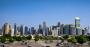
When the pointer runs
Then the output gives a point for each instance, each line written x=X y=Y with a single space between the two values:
x=34 y=12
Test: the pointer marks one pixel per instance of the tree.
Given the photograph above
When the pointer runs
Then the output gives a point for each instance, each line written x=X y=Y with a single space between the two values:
x=36 y=38
x=17 y=38
x=2 y=39
x=81 y=39
x=72 y=40
x=23 y=38
x=29 y=37
x=66 y=37
x=88 y=38
x=62 y=39
x=11 y=40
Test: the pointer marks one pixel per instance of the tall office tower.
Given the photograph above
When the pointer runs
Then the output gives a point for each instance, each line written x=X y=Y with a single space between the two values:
x=77 y=22
x=21 y=30
x=29 y=31
x=72 y=30
x=50 y=31
x=58 y=24
x=66 y=29
x=6 y=29
x=78 y=31
x=12 y=32
x=45 y=32
x=61 y=29
x=15 y=29
x=40 y=31
x=0 y=31
x=85 y=31
x=18 y=31
x=55 y=31
x=88 y=30
x=77 y=25
x=26 y=32
x=33 y=31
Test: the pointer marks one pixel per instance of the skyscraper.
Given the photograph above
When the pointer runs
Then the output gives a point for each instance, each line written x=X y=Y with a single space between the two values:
x=26 y=32
x=58 y=24
x=12 y=32
x=85 y=31
x=77 y=22
x=15 y=29
x=40 y=31
x=66 y=29
x=72 y=30
x=6 y=29
x=54 y=31
x=61 y=29
x=77 y=26
x=33 y=31
x=21 y=30
x=0 y=31
x=29 y=31
x=45 y=29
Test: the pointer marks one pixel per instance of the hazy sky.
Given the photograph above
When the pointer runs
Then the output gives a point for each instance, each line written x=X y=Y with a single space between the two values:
x=34 y=12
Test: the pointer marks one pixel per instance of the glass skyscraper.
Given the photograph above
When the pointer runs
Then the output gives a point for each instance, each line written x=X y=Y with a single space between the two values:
x=77 y=22
x=77 y=26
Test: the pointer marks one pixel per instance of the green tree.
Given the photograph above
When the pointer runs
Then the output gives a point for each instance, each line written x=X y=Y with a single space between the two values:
x=66 y=36
x=88 y=38
x=36 y=38
x=23 y=38
x=11 y=40
x=62 y=39
x=2 y=39
x=81 y=39
x=29 y=37
x=17 y=38
x=72 y=40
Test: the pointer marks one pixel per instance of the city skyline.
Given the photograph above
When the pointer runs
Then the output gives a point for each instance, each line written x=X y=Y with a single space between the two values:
x=33 y=13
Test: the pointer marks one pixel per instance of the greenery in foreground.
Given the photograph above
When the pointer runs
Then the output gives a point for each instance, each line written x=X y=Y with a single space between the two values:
x=72 y=39
x=8 y=38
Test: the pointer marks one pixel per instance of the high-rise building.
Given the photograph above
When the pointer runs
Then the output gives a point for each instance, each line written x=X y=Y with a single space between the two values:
x=21 y=30
x=78 y=31
x=6 y=29
x=50 y=31
x=0 y=31
x=12 y=32
x=15 y=29
x=61 y=29
x=77 y=22
x=18 y=33
x=45 y=29
x=29 y=31
x=66 y=29
x=72 y=30
x=85 y=31
x=55 y=31
x=40 y=31
x=33 y=31
x=77 y=26
x=26 y=32
x=58 y=24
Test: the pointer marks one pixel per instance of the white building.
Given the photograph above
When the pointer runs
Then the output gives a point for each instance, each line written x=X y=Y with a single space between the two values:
x=12 y=32
x=55 y=32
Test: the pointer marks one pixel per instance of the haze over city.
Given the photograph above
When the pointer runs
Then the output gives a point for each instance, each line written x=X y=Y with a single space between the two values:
x=33 y=12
